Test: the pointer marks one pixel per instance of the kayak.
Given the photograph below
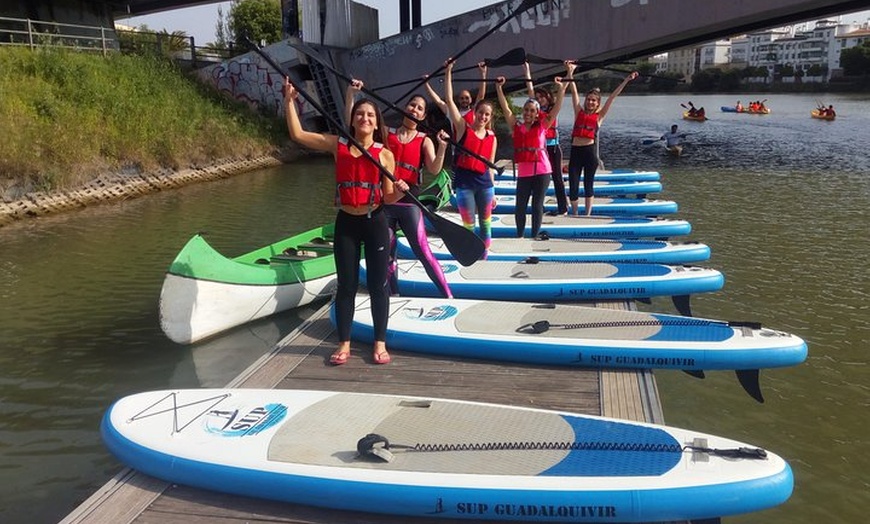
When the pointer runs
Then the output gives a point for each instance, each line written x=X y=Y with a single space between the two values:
x=504 y=226
x=576 y=250
x=695 y=118
x=205 y=293
x=533 y=280
x=816 y=114
x=617 y=205
x=732 y=109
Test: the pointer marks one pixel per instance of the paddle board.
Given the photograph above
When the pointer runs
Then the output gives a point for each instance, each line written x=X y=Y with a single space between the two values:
x=506 y=204
x=603 y=188
x=576 y=250
x=556 y=281
x=504 y=226
x=575 y=335
x=616 y=174
x=430 y=457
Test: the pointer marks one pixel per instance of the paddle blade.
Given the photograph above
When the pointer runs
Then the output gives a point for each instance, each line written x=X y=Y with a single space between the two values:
x=515 y=56
x=650 y=141
x=534 y=59
x=465 y=246
x=750 y=381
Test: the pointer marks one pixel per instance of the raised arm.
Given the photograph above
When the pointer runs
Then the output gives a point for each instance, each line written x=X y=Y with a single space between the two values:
x=453 y=114
x=502 y=101
x=530 y=87
x=481 y=92
x=442 y=105
x=354 y=87
x=553 y=113
x=575 y=96
x=433 y=159
x=615 y=94
x=315 y=141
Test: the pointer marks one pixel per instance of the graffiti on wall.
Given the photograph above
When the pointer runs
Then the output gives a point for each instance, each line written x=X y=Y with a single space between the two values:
x=247 y=80
x=546 y=14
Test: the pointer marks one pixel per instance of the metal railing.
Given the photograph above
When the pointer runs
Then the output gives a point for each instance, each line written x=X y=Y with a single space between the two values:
x=42 y=34
x=38 y=33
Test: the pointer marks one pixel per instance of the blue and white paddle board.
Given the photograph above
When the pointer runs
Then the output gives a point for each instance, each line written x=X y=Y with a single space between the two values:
x=556 y=281
x=576 y=250
x=504 y=226
x=430 y=457
x=608 y=175
x=506 y=204
x=575 y=335
x=603 y=188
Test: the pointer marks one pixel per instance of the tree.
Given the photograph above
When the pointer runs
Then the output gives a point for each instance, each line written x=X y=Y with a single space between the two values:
x=856 y=60
x=255 y=20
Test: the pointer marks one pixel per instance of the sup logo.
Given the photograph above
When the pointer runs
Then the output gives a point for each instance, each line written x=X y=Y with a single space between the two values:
x=238 y=423
x=449 y=268
x=432 y=315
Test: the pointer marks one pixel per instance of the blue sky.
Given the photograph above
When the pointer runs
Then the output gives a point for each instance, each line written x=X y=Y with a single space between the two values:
x=200 y=21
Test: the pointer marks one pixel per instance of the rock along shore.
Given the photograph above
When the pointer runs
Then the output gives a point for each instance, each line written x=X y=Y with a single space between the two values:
x=122 y=186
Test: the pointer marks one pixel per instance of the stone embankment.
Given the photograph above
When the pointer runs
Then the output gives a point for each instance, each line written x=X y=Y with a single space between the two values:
x=120 y=186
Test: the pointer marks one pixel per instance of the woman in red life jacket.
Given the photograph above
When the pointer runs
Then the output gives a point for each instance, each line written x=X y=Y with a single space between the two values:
x=554 y=150
x=361 y=192
x=588 y=118
x=472 y=178
x=533 y=166
x=413 y=151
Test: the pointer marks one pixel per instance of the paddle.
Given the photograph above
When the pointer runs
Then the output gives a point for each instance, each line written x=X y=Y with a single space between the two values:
x=524 y=6
x=302 y=48
x=650 y=141
x=465 y=246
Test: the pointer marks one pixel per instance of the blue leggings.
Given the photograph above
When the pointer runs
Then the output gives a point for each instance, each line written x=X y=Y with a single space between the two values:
x=351 y=233
x=409 y=217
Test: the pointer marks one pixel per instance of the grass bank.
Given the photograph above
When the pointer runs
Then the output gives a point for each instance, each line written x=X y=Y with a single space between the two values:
x=68 y=117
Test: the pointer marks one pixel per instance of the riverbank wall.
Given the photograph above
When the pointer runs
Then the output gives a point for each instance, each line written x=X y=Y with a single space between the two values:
x=22 y=203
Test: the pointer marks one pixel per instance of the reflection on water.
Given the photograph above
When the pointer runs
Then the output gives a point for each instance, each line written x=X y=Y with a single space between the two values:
x=781 y=199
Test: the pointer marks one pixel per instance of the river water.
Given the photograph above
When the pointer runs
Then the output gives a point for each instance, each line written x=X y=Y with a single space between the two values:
x=782 y=200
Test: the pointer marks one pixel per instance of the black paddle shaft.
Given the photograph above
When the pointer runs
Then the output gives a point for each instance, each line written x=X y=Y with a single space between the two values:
x=465 y=246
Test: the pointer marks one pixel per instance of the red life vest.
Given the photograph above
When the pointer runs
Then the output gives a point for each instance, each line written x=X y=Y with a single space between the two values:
x=358 y=179
x=481 y=146
x=409 y=157
x=585 y=125
x=528 y=142
x=469 y=117
x=553 y=130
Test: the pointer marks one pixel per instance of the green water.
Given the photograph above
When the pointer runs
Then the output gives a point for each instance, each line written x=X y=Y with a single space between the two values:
x=781 y=199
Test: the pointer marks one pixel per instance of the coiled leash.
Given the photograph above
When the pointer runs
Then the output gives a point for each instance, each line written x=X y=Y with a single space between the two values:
x=378 y=446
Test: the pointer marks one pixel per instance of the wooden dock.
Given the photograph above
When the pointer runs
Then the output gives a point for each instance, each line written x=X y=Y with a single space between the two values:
x=300 y=362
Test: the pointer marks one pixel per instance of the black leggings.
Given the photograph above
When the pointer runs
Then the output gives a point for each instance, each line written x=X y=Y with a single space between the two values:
x=555 y=154
x=583 y=158
x=536 y=187
x=351 y=233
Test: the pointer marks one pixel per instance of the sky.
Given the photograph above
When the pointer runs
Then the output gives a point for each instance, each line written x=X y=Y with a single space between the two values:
x=200 y=21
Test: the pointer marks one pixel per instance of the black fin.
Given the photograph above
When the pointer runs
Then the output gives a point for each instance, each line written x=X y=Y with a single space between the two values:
x=749 y=379
x=681 y=302
x=697 y=373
